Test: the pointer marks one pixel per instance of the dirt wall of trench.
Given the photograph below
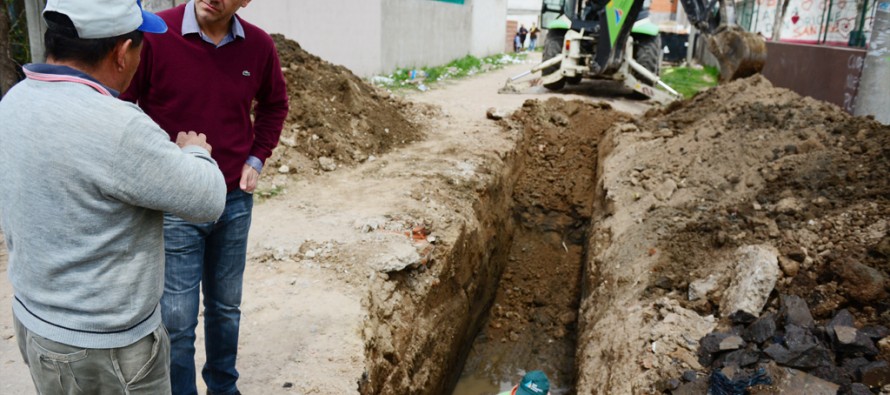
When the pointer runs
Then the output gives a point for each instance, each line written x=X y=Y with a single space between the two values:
x=422 y=320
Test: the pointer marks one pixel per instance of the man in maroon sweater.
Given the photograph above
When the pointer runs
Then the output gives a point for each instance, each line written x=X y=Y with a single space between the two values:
x=204 y=75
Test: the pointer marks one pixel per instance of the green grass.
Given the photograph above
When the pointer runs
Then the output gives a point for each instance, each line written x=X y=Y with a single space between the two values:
x=690 y=80
x=424 y=77
x=266 y=194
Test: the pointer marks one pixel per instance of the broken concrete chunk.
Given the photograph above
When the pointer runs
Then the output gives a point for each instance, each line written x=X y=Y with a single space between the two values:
x=288 y=141
x=845 y=334
x=788 y=381
x=789 y=205
x=852 y=341
x=743 y=357
x=494 y=114
x=711 y=342
x=699 y=289
x=400 y=256
x=761 y=330
x=841 y=318
x=884 y=346
x=789 y=267
x=756 y=273
x=803 y=351
x=327 y=164
x=795 y=312
x=666 y=190
x=731 y=343
x=796 y=253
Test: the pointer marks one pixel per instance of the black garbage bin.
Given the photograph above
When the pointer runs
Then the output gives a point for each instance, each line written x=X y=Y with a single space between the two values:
x=674 y=46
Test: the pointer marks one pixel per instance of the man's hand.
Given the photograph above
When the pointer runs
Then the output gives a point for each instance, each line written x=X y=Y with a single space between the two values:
x=191 y=138
x=249 y=177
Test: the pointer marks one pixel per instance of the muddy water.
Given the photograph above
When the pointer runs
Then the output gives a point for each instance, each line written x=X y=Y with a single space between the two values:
x=531 y=325
x=533 y=321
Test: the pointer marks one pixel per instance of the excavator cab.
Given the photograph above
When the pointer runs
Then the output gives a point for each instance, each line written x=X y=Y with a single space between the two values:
x=594 y=36
x=591 y=36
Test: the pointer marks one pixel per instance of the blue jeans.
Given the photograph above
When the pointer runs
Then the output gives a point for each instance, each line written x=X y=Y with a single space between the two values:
x=213 y=253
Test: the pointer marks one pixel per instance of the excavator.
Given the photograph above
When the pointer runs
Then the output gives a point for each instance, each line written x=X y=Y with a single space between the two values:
x=614 y=39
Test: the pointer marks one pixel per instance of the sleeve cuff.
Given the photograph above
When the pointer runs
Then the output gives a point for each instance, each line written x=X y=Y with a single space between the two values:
x=255 y=163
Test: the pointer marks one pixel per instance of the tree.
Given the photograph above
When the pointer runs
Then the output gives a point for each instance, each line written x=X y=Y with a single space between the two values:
x=8 y=71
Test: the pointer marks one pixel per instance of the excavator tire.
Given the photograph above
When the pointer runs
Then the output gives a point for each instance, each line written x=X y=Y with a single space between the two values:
x=647 y=52
x=552 y=48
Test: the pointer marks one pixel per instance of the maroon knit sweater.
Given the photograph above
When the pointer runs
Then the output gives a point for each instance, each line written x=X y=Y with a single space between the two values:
x=184 y=83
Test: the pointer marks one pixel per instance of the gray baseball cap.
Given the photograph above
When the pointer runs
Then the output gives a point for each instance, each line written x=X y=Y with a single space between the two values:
x=107 y=18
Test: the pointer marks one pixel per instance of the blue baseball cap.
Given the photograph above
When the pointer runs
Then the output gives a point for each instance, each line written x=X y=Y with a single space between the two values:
x=151 y=23
x=533 y=383
x=94 y=19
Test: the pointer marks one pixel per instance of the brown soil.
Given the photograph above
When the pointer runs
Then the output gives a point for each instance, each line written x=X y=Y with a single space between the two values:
x=745 y=163
x=533 y=320
x=335 y=114
x=824 y=203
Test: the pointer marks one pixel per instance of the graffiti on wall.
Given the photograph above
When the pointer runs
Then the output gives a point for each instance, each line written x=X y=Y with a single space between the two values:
x=854 y=70
x=809 y=21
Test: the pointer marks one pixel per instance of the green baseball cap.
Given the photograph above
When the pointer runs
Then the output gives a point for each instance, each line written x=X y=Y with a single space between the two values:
x=534 y=383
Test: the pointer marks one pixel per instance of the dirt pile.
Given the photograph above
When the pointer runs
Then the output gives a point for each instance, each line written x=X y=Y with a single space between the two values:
x=682 y=190
x=791 y=172
x=335 y=117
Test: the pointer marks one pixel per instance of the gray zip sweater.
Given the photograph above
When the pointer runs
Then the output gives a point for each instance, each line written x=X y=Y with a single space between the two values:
x=84 y=181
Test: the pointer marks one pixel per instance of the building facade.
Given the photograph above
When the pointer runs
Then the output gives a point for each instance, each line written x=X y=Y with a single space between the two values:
x=373 y=37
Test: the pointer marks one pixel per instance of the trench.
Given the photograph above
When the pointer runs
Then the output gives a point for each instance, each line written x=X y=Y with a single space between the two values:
x=508 y=290
x=532 y=322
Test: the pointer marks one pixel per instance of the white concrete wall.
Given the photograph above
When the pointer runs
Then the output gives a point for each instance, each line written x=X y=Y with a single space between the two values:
x=419 y=33
x=489 y=27
x=346 y=32
x=377 y=36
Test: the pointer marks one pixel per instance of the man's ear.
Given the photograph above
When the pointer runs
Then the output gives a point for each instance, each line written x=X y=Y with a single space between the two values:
x=244 y=3
x=120 y=53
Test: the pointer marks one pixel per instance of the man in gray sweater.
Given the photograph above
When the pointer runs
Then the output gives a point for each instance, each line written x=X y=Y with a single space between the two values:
x=85 y=181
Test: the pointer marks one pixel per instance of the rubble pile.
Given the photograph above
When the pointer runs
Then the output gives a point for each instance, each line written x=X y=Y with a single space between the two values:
x=335 y=117
x=813 y=187
x=836 y=355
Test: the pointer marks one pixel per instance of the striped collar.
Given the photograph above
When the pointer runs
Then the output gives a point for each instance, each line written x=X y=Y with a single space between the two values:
x=58 y=73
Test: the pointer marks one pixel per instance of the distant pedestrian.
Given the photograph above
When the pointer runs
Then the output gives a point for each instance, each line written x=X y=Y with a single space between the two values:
x=517 y=43
x=523 y=32
x=533 y=383
x=533 y=37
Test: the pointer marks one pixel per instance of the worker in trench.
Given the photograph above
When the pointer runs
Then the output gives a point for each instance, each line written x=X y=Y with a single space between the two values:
x=533 y=383
x=85 y=181
x=205 y=75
